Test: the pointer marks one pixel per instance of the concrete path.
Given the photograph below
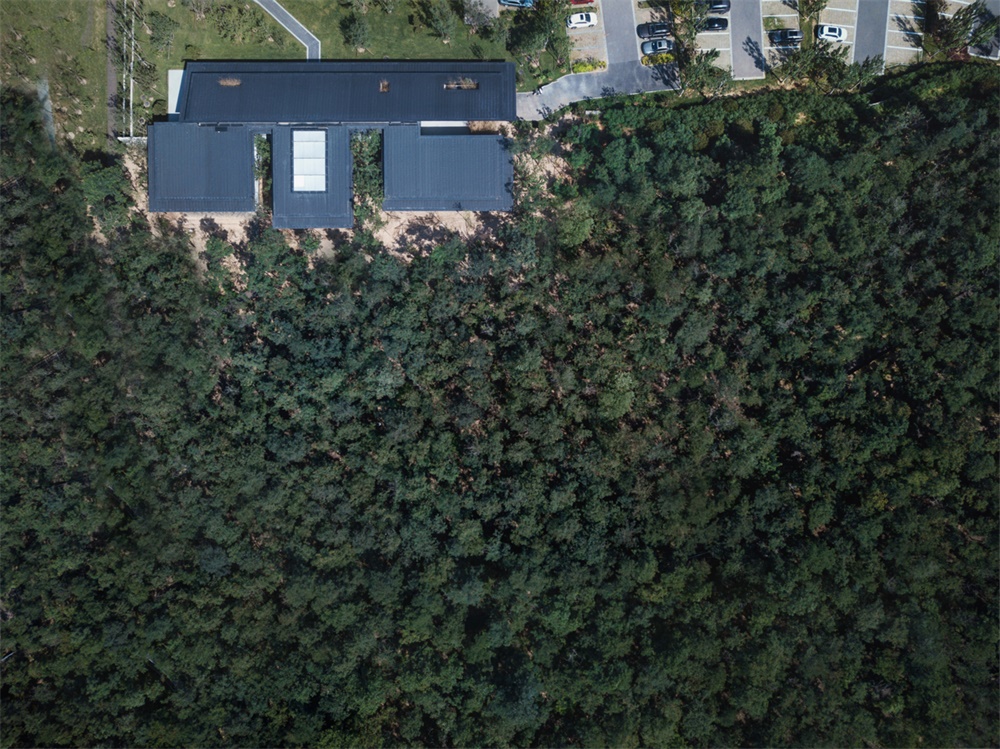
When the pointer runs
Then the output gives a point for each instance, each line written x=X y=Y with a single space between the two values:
x=747 y=41
x=625 y=74
x=870 y=29
x=293 y=27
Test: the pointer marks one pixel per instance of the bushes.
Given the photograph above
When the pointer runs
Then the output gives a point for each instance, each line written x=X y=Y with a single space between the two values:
x=588 y=65
x=664 y=58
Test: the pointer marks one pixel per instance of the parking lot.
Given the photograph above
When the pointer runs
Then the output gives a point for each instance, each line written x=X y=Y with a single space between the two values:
x=589 y=43
x=648 y=15
x=904 y=33
x=843 y=13
x=778 y=14
x=720 y=40
x=890 y=28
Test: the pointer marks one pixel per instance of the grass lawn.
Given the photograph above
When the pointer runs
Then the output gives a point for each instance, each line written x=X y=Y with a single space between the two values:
x=198 y=39
x=401 y=35
x=64 y=43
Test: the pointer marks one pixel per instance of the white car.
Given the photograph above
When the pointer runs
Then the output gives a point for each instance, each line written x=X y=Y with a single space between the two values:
x=581 y=21
x=831 y=33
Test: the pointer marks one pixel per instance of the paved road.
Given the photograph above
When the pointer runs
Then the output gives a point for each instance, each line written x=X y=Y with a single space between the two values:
x=746 y=28
x=619 y=31
x=621 y=78
x=870 y=29
x=293 y=27
x=625 y=74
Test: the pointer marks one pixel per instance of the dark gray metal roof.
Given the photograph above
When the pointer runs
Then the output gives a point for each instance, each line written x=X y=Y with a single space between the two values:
x=445 y=172
x=194 y=168
x=333 y=92
x=309 y=210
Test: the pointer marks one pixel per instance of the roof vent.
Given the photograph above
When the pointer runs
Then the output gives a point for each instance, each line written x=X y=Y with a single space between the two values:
x=229 y=82
x=462 y=84
x=383 y=86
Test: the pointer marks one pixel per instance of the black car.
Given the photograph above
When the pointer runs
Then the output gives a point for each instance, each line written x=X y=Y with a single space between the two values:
x=715 y=6
x=714 y=24
x=652 y=30
x=787 y=37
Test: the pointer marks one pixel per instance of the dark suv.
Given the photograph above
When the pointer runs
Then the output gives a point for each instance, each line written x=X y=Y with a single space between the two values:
x=715 y=6
x=652 y=30
x=788 y=37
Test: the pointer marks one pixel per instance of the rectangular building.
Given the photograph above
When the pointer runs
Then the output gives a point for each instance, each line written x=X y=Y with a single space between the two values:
x=201 y=160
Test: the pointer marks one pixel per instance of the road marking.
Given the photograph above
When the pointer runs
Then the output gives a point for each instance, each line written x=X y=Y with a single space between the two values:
x=844 y=10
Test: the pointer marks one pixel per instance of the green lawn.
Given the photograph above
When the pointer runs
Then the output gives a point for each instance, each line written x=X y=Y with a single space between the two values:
x=398 y=35
x=198 y=39
x=64 y=43
x=401 y=35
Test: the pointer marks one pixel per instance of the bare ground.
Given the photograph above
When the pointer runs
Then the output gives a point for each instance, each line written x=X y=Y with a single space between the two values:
x=407 y=234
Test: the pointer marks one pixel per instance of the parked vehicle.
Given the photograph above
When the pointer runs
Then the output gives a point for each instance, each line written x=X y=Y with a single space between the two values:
x=580 y=2
x=788 y=37
x=714 y=6
x=657 y=46
x=518 y=3
x=714 y=24
x=652 y=30
x=581 y=21
x=831 y=33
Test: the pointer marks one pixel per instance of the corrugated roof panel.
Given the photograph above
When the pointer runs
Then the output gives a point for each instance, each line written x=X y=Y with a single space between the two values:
x=333 y=92
x=193 y=168
x=446 y=172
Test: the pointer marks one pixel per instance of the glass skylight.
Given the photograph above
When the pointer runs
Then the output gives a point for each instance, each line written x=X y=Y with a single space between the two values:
x=308 y=160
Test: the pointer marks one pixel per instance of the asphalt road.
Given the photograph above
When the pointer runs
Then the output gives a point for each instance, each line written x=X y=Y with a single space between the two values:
x=870 y=29
x=746 y=29
x=293 y=27
x=619 y=31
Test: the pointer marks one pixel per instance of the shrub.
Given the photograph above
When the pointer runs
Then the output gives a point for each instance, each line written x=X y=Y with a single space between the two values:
x=588 y=65
x=664 y=58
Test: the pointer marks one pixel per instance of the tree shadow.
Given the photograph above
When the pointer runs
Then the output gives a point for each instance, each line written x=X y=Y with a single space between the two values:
x=338 y=237
x=209 y=227
x=908 y=24
x=753 y=49
x=423 y=233
x=668 y=74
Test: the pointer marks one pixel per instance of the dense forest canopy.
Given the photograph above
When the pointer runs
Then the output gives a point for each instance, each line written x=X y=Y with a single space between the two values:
x=699 y=450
